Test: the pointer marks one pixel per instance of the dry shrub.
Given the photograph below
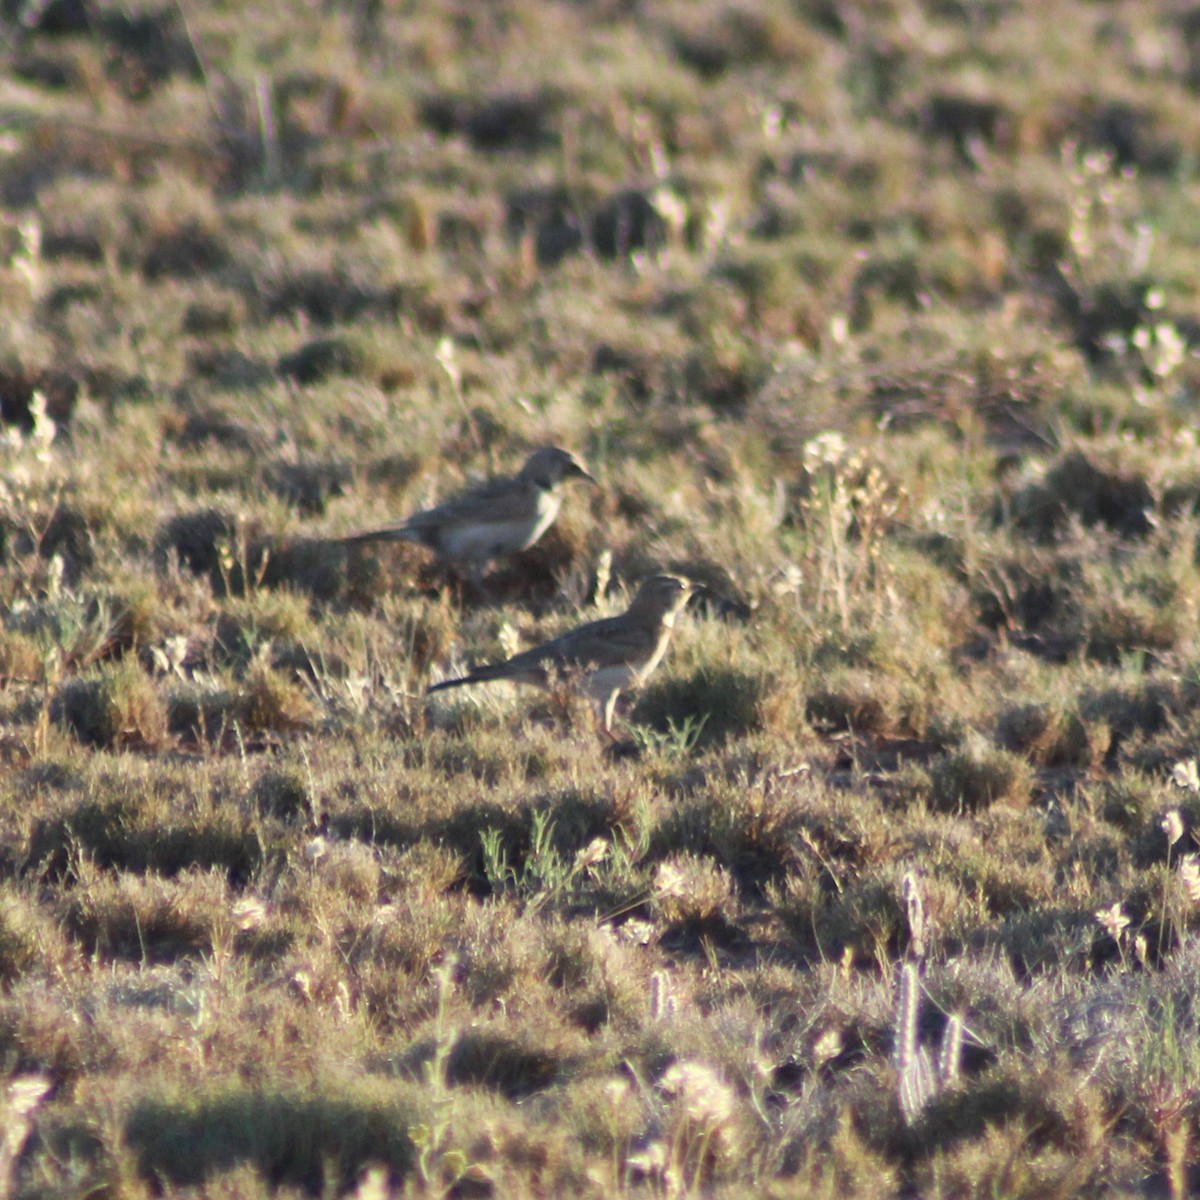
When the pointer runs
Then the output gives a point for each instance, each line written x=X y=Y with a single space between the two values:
x=690 y=889
x=1049 y=736
x=425 y=870
x=270 y=701
x=282 y=795
x=856 y=711
x=29 y=938
x=978 y=777
x=1076 y=486
x=20 y=657
x=351 y=869
x=119 y=709
x=149 y=917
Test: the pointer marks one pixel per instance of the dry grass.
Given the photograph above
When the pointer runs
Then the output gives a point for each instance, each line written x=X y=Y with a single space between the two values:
x=880 y=325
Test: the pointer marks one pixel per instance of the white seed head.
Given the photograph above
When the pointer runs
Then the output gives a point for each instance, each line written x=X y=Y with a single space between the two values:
x=705 y=1099
x=1172 y=826
x=1113 y=921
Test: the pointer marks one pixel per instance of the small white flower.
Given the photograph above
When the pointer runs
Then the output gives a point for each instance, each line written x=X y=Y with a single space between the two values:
x=44 y=428
x=1185 y=775
x=1172 y=825
x=640 y=933
x=828 y=1045
x=827 y=449
x=249 y=913
x=705 y=1098
x=596 y=851
x=670 y=880
x=1113 y=921
x=447 y=359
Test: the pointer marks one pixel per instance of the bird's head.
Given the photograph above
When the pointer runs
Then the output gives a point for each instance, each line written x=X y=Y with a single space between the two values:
x=662 y=596
x=550 y=465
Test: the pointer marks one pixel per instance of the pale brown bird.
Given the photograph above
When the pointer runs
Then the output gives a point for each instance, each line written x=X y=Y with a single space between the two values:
x=606 y=657
x=495 y=519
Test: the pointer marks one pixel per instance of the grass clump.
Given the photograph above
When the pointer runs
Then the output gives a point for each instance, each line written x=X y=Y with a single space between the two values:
x=978 y=777
x=147 y=918
x=25 y=937
x=495 y=1059
x=265 y=703
x=321 y=359
x=691 y=890
x=121 y=708
x=283 y=795
x=1053 y=737
x=138 y=834
x=704 y=709
x=290 y=1138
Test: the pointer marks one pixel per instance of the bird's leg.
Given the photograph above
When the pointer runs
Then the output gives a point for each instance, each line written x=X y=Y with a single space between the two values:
x=605 y=709
x=606 y=735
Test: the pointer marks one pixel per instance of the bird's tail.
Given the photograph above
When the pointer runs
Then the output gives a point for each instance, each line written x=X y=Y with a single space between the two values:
x=389 y=533
x=449 y=683
x=484 y=673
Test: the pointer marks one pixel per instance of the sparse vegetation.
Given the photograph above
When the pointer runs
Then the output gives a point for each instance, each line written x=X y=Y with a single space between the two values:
x=880 y=322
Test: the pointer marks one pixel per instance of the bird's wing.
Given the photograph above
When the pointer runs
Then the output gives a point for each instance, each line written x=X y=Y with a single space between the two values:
x=603 y=644
x=499 y=501
x=606 y=642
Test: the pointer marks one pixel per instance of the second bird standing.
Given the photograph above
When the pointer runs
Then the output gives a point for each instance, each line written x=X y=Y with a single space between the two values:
x=606 y=657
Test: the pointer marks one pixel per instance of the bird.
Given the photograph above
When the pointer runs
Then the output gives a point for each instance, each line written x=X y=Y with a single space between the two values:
x=605 y=657
x=495 y=519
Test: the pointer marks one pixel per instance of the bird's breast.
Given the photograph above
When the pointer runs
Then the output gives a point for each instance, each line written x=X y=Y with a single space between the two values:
x=485 y=539
x=604 y=681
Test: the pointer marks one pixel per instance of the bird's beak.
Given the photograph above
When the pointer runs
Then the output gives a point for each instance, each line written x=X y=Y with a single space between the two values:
x=583 y=473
